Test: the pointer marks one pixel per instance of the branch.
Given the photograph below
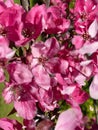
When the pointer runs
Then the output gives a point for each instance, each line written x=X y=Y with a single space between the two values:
x=25 y=4
x=47 y=2
x=96 y=110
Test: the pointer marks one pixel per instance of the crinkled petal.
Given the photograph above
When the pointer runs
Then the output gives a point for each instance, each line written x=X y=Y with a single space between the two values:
x=26 y=109
x=41 y=77
x=52 y=47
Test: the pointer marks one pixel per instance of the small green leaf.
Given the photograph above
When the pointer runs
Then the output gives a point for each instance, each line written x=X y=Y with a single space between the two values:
x=17 y=1
x=88 y=108
x=16 y=117
x=4 y=108
x=33 y=2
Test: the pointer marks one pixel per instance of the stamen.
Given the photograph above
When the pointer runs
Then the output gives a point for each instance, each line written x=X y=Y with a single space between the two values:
x=19 y=97
x=83 y=16
x=42 y=60
x=86 y=36
x=27 y=32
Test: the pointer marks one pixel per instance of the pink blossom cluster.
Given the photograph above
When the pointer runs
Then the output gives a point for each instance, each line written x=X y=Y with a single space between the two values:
x=50 y=53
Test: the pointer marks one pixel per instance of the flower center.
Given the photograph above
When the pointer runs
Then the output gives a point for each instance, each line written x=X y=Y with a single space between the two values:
x=42 y=60
x=27 y=32
x=83 y=16
x=19 y=92
x=86 y=36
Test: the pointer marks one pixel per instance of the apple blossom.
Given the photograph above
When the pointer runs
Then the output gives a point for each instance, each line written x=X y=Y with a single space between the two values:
x=19 y=73
x=24 y=102
x=55 y=22
x=44 y=61
x=8 y=26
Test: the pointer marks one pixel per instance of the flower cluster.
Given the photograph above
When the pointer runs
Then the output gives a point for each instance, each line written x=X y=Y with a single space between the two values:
x=49 y=53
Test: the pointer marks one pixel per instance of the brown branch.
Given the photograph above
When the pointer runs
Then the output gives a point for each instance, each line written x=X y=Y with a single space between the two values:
x=47 y=2
x=25 y=4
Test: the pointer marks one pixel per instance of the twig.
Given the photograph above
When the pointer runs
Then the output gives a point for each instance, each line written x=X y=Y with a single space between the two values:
x=96 y=110
x=25 y=4
x=47 y=2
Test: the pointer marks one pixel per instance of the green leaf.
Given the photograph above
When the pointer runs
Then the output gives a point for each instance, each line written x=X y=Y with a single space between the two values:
x=63 y=105
x=16 y=117
x=72 y=3
x=33 y=2
x=88 y=108
x=17 y=1
x=4 y=108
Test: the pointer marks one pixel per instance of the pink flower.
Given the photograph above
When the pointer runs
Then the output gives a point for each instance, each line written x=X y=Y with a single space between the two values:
x=85 y=22
x=46 y=100
x=69 y=119
x=85 y=10
x=21 y=96
x=8 y=26
x=8 y=124
x=31 y=25
x=36 y=16
x=44 y=61
x=26 y=108
x=19 y=73
x=55 y=22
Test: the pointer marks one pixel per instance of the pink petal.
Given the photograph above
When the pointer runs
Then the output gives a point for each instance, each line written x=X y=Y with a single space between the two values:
x=69 y=119
x=90 y=48
x=37 y=49
x=52 y=47
x=41 y=77
x=26 y=109
x=93 y=29
x=93 y=89
x=77 y=41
